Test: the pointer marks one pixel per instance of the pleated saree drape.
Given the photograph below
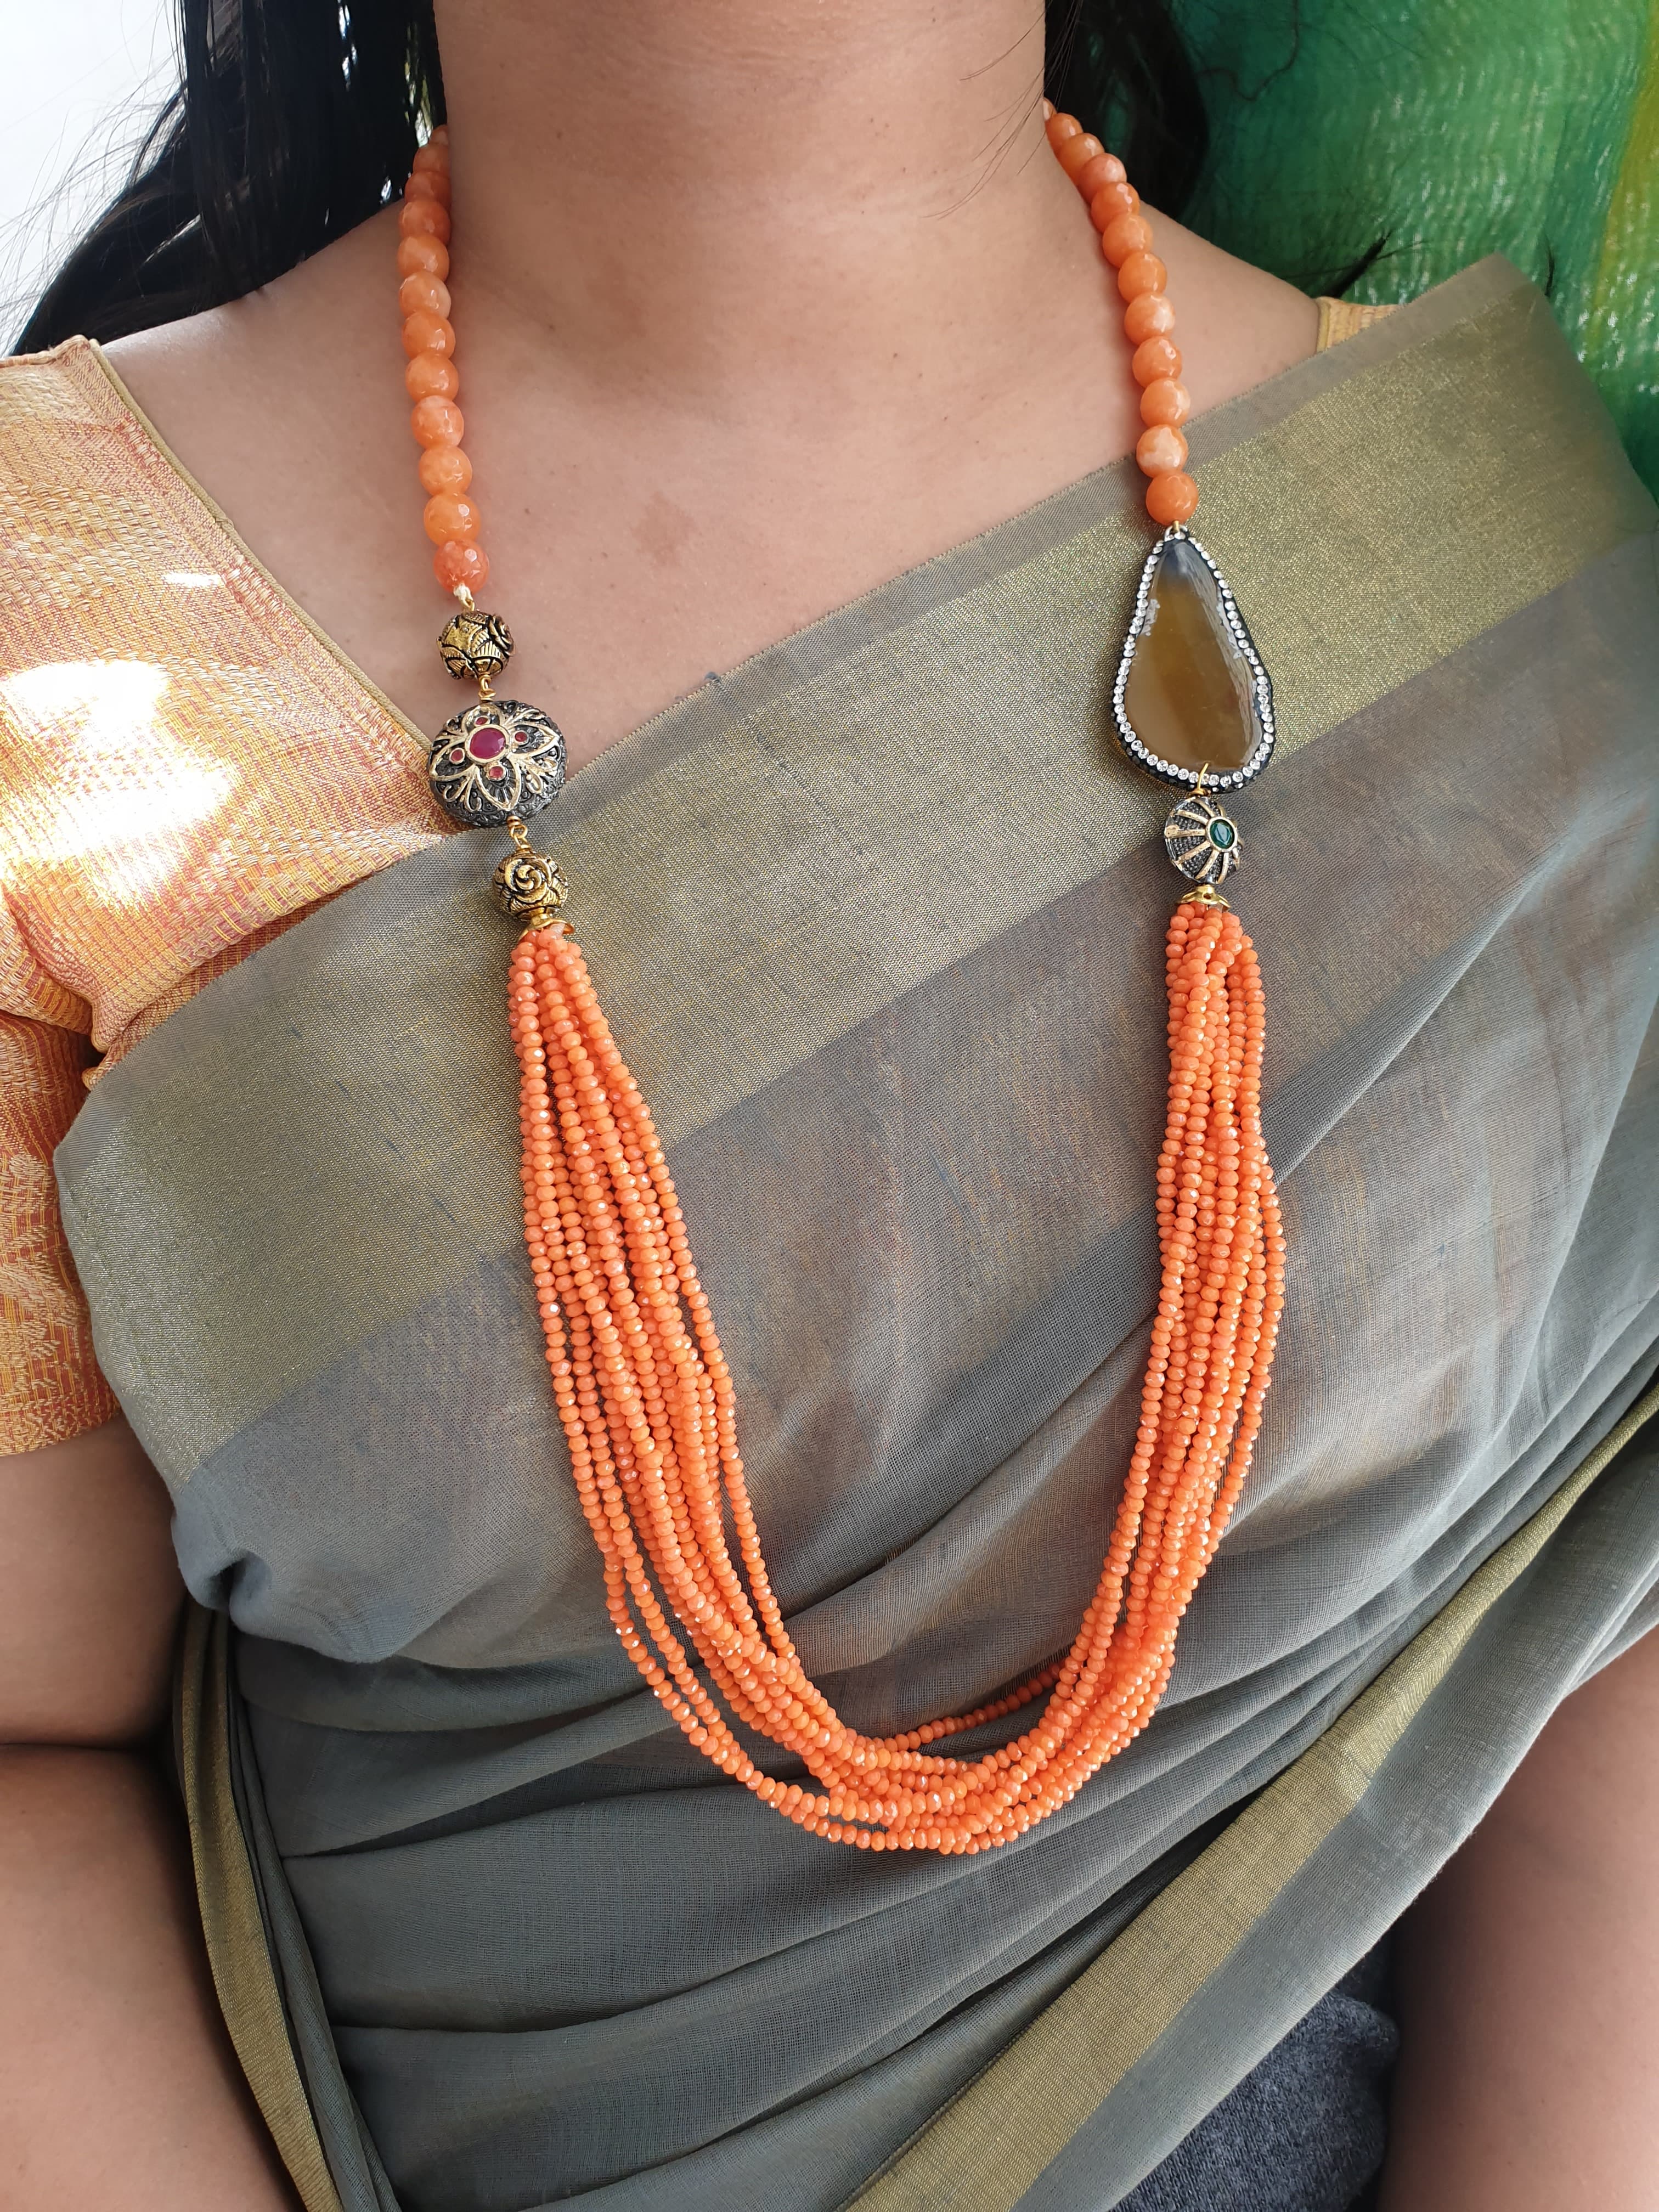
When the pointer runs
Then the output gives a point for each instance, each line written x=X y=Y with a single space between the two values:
x=877 y=919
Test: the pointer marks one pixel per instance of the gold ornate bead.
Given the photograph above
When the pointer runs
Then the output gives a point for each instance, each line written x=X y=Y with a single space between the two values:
x=530 y=887
x=475 y=646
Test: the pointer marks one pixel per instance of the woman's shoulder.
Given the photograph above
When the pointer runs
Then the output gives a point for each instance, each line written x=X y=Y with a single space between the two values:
x=66 y=436
x=118 y=567
x=100 y=537
x=185 y=761
x=94 y=554
x=115 y=546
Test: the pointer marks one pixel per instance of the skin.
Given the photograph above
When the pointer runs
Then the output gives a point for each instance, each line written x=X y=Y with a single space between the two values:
x=1529 y=1980
x=117 y=2084
x=760 y=302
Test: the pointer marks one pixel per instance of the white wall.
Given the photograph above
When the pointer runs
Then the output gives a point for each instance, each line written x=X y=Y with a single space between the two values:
x=82 y=78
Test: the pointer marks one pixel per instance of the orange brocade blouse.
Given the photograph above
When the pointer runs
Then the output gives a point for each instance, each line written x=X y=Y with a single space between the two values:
x=187 y=765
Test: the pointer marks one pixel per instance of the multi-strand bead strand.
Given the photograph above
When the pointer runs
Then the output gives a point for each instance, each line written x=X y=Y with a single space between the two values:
x=646 y=1399
x=1125 y=239
x=432 y=379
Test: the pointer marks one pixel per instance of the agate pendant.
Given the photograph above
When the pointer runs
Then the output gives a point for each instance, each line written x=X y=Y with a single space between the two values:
x=1192 y=701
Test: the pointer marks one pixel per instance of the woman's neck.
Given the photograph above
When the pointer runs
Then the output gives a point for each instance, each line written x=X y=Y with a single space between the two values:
x=759 y=302
x=813 y=198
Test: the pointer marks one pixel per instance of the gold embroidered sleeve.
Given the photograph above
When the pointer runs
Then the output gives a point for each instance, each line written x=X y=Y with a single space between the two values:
x=186 y=768
x=50 y=1386
x=1346 y=318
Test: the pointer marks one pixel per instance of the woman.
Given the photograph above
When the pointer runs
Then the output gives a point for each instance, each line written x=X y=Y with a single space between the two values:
x=759 y=311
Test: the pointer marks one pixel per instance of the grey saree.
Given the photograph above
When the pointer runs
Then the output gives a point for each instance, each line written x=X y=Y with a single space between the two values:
x=878 y=921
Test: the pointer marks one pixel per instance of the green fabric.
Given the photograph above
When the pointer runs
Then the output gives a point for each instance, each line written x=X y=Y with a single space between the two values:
x=1448 y=129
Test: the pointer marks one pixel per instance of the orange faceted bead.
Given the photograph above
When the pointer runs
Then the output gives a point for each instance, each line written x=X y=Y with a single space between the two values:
x=1165 y=401
x=424 y=219
x=1127 y=234
x=1159 y=450
x=1148 y=316
x=425 y=332
x=1059 y=128
x=1104 y=169
x=423 y=290
x=436 y=422
x=428 y=185
x=1142 y=272
x=1091 y=176
x=1117 y=196
x=422 y=253
x=449 y=516
x=1076 y=153
x=432 y=157
x=1158 y=357
x=431 y=375
x=446 y=468
x=1171 y=498
x=458 y=563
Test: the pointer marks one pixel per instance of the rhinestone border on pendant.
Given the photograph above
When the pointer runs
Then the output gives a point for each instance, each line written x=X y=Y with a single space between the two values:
x=1262 y=690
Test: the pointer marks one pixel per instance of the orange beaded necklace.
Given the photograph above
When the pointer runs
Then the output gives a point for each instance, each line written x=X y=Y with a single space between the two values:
x=643 y=1393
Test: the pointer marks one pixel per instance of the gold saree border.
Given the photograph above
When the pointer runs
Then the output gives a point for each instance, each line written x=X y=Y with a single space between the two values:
x=232 y=1927
x=990 y=2144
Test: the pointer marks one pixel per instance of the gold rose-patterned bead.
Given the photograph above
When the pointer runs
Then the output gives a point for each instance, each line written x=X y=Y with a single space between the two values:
x=475 y=646
x=530 y=887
